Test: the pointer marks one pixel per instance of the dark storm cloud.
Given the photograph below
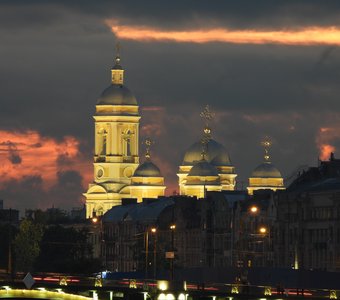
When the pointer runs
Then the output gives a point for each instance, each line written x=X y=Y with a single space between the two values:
x=12 y=150
x=56 y=58
x=15 y=158
x=174 y=14
x=29 y=192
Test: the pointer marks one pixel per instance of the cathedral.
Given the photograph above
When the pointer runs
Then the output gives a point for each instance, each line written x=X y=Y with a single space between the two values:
x=118 y=172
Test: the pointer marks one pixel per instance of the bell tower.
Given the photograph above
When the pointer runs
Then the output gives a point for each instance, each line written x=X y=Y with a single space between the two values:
x=116 y=145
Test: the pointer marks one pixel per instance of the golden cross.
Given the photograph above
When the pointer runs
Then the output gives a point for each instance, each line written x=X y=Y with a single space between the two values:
x=266 y=143
x=207 y=115
x=148 y=142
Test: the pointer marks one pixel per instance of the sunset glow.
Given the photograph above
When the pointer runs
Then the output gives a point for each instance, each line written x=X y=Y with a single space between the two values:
x=325 y=151
x=28 y=153
x=304 y=36
x=325 y=141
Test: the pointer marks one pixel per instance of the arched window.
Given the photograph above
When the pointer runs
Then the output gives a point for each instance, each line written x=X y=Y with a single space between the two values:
x=102 y=141
x=127 y=135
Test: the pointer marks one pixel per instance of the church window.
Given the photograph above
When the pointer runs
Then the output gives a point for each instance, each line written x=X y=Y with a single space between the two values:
x=102 y=133
x=127 y=138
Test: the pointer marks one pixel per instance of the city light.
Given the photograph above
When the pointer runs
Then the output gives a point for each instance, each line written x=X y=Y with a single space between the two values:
x=162 y=285
x=173 y=226
x=153 y=229
x=253 y=209
x=263 y=230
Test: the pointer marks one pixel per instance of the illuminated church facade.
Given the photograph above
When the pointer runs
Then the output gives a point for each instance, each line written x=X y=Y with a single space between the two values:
x=116 y=164
x=118 y=174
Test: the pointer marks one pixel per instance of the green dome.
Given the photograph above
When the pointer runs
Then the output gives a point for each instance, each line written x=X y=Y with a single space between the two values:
x=147 y=169
x=266 y=170
x=117 y=94
x=216 y=154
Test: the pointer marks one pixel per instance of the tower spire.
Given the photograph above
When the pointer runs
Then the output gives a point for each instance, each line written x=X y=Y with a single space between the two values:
x=117 y=59
x=117 y=71
x=266 y=143
x=207 y=115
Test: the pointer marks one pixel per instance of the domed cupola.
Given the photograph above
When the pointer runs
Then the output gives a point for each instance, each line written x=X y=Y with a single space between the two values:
x=265 y=175
x=266 y=170
x=117 y=93
x=147 y=169
x=202 y=177
x=147 y=181
x=203 y=169
x=215 y=156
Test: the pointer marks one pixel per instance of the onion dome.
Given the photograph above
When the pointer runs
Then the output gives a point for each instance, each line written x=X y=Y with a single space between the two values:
x=147 y=169
x=215 y=153
x=117 y=93
x=266 y=170
x=202 y=168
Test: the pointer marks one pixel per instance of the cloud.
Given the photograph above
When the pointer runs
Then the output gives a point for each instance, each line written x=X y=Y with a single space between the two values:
x=327 y=140
x=309 y=36
x=42 y=165
x=56 y=59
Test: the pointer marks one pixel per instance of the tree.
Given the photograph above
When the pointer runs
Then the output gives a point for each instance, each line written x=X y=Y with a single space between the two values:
x=7 y=233
x=66 y=250
x=27 y=245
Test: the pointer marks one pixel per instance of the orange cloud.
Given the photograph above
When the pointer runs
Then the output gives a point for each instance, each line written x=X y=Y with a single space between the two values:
x=325 y=151
x=324 y=139
x=304 y=36
x=28 y=153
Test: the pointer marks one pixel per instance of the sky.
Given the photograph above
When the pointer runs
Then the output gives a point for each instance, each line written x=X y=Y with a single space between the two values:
x=266 y=68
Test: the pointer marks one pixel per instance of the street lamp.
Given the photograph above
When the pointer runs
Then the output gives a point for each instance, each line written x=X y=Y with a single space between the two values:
x=172 y=228
x=154 y=231
x=253 y=209
x=263 y=230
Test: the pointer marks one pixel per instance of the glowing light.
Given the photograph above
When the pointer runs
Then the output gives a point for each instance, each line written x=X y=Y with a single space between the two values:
x=153 y=229
x=263 y=230
x=305 y=36
x=161 y=296
x=234 y=289
x=267 y=291
x=94 y=220
x=21 y=293
x=253 y=209
x=181 y=297
x=170 y=297
x=332 y=294
x=162 y=285
x=173 y=227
